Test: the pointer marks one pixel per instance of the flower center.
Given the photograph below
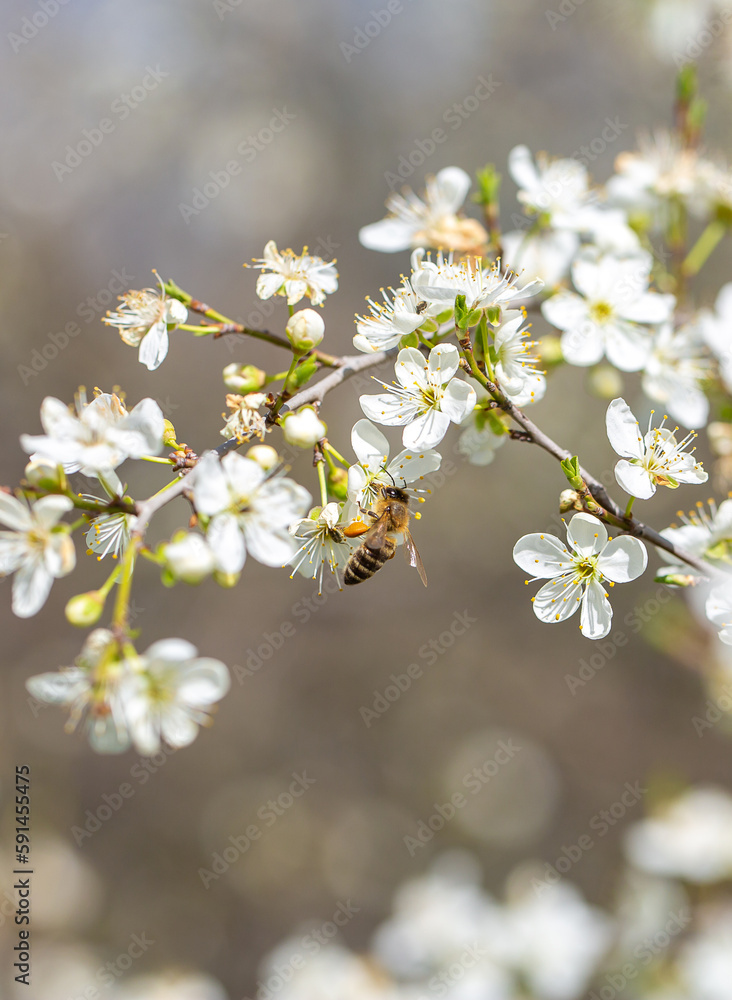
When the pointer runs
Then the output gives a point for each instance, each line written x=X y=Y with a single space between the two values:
x=601 y=311
x=585 y=568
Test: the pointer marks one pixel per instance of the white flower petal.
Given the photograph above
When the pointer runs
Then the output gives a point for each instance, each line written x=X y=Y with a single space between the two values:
x=31 y=586
x=542 y=555
x=227 y=543
x=623 y=431
x=154 y=346
x=388 y=235
x=623 y=559
x=427 y=430
x=586 y=534
x=635 y=480
x=458 y=400
x=370 y=445
x=597 y=613
x=558 y=599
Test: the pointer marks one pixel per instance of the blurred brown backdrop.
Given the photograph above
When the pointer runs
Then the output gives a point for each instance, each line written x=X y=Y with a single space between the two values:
x=220 y=72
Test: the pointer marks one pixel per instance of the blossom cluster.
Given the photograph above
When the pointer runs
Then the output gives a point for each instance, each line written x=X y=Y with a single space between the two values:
x=604 y=273
x=447 y=936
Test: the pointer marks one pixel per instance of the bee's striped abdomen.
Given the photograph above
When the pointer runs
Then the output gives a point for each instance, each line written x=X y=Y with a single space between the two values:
x=364 y=562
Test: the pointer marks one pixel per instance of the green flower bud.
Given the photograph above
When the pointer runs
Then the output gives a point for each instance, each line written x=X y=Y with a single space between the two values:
x=46 y=474
x=85 y=609
x=338 y=483
x=305 y=330
x=244 y=378
x=169 y=437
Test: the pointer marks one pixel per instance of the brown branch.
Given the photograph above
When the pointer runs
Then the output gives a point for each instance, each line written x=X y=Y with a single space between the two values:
x=628 y=525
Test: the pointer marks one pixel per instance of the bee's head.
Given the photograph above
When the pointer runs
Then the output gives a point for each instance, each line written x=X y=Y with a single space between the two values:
x=394 y=493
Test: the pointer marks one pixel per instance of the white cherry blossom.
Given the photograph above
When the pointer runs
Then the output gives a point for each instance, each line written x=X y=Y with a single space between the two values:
x=249 y=511
x=144 y=319
x=374 y=470
x=652 y=459
x=89 y=690
x=675 y=371
x=647 y=181
x=515 y=369
x=294 y=276
x=545 y=255
x=99 y=437
x=556 y=188
x=707 y=535
x=440 y=282
x=690 y=838
x=610 y=312
x=37 y=548
x=321 y=543
x=427 y=398
x=432 y=222
x=168 y=692
x=577 y=578
x=401 y=314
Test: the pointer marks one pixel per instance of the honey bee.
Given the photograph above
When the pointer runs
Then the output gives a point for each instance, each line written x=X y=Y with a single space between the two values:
x=390 y=519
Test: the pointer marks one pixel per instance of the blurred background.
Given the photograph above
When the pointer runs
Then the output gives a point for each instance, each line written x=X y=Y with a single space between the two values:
x=188 y=84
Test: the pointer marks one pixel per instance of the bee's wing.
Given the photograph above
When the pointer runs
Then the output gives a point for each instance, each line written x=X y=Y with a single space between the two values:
x=377 y=534
x=413 y=557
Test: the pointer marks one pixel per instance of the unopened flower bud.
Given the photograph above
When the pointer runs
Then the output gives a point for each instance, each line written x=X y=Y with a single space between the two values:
x=569 y=500
x=85 y=609
x=169 y=438
x=46 y=474
x=304 y=428
x=264 y=455
x=227 y=580
x=606 y=382
x=189 y=558
x=243 y=378
x=338 y=483
x=305 y=330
